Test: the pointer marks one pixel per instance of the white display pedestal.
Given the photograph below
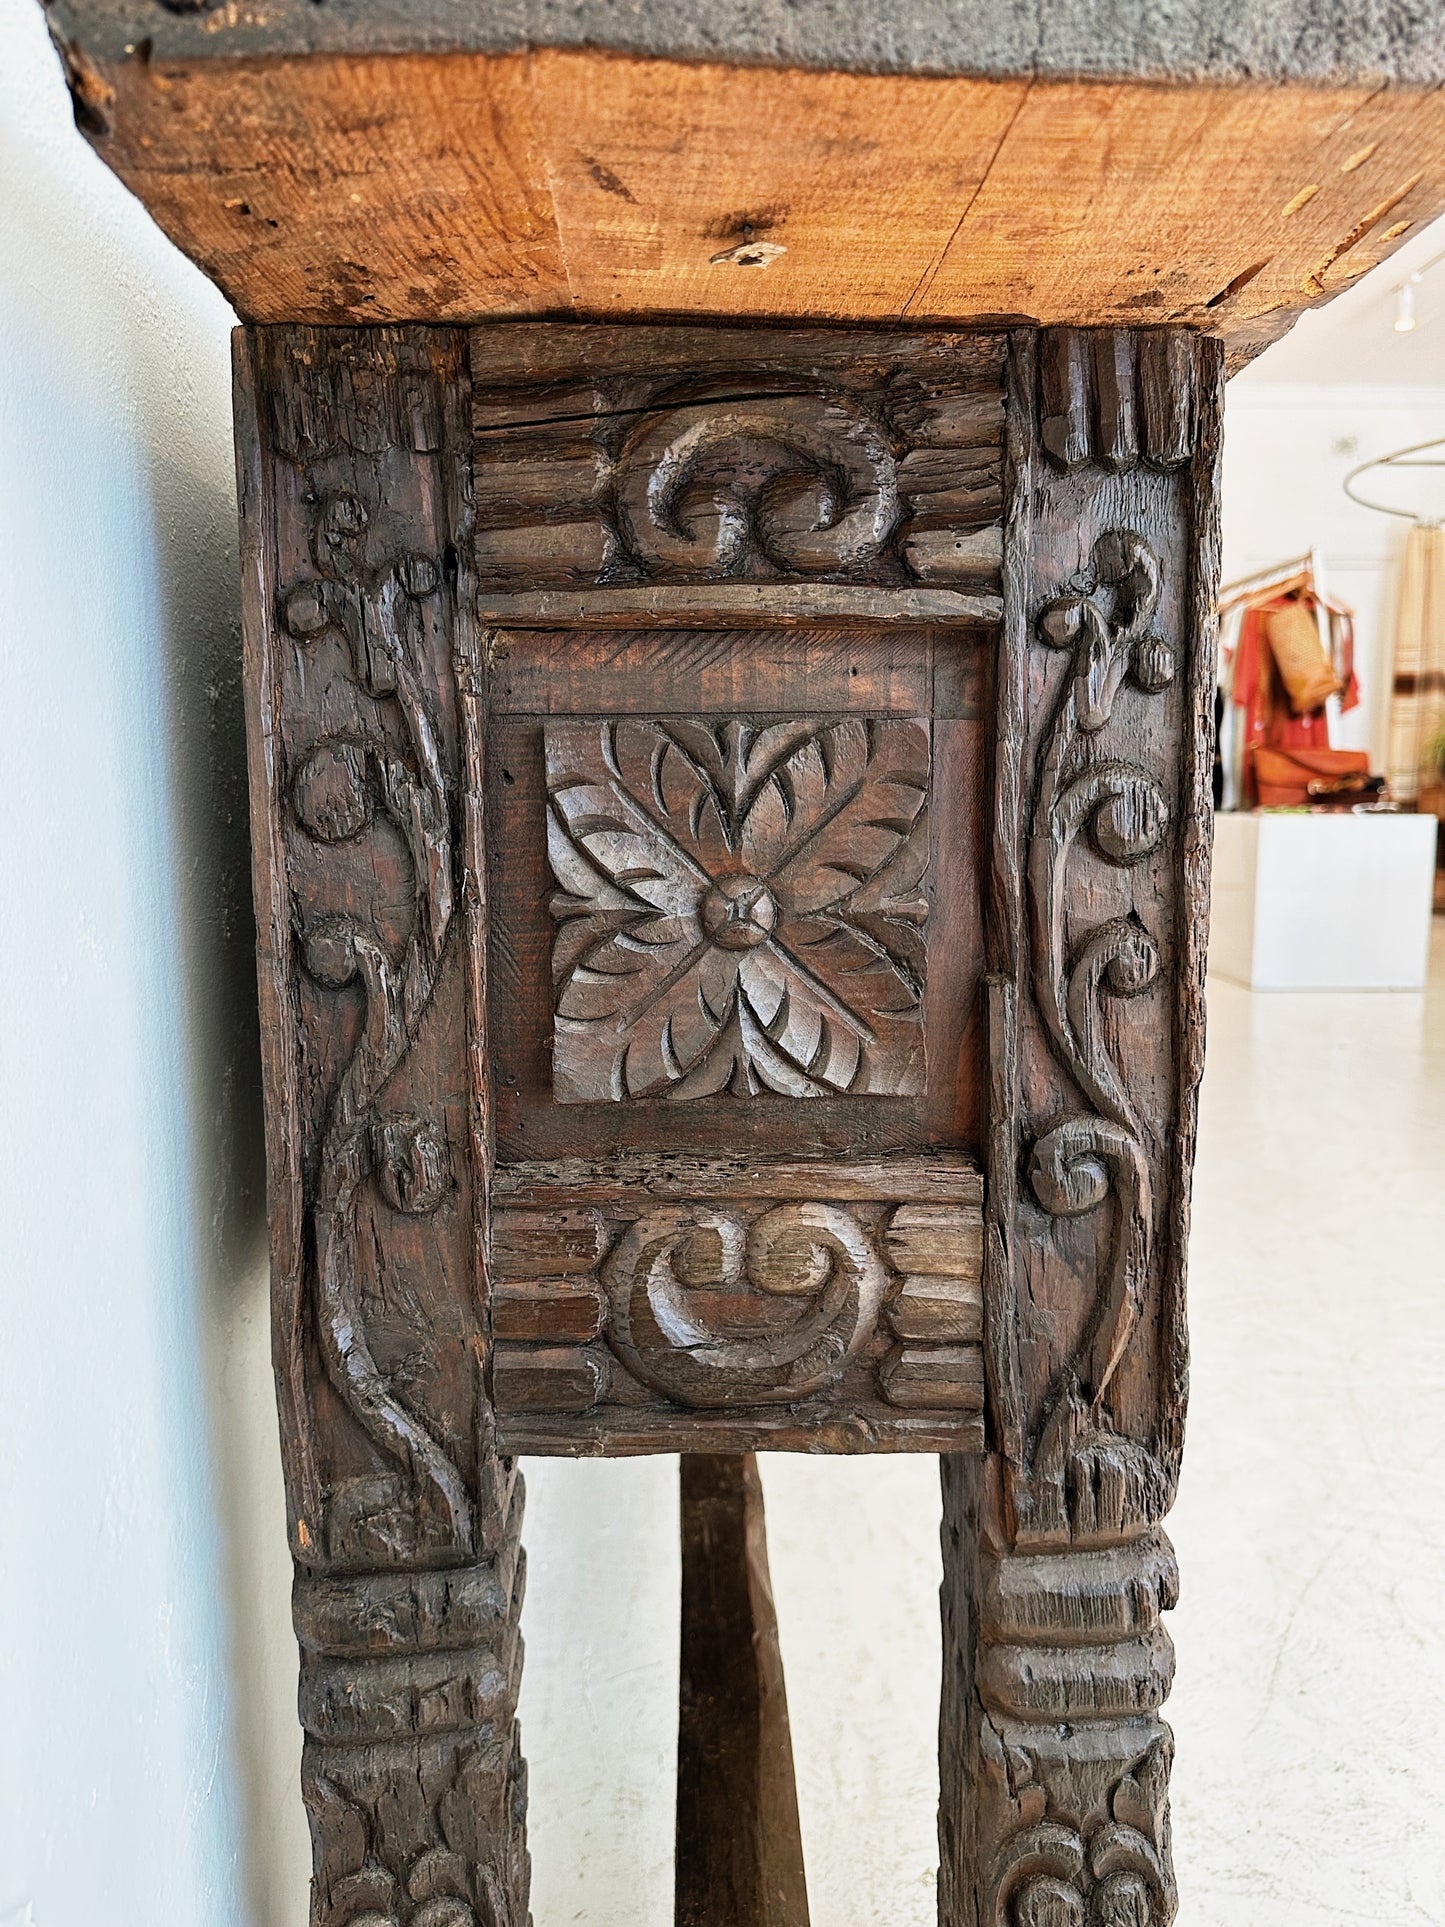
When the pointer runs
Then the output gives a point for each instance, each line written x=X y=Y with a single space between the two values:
x=1327 y=902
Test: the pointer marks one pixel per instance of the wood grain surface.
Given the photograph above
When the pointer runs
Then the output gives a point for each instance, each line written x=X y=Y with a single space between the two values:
x=739 y=1855
x=456 y=187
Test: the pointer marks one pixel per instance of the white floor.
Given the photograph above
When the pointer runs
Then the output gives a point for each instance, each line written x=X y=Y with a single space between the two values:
x=1310 y=1703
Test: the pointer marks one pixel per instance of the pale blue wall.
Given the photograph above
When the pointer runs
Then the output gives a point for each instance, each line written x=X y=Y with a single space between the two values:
x=146 y=1676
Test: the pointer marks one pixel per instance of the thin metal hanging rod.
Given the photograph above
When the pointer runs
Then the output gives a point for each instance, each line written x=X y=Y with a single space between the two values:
x=1396 y=459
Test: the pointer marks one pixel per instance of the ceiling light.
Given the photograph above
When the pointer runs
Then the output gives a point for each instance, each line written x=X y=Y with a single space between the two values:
x=1405 y=306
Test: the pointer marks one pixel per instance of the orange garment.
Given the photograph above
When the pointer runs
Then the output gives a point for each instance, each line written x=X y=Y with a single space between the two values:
x=1259 y=692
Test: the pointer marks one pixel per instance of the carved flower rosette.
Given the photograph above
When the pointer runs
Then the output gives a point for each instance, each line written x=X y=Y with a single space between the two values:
x=741 y=907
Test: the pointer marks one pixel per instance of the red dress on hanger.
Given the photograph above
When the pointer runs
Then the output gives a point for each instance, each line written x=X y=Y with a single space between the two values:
x=1259 y=692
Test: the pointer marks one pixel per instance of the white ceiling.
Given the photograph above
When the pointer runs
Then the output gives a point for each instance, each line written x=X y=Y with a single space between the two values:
x=1353 y=340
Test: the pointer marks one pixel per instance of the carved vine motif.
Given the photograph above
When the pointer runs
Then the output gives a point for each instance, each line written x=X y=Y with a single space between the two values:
x=1091 y=1156
x=1113 y=1871
x=800 y=485
x=335 y=792
x=657 y=1276
x=741 y=907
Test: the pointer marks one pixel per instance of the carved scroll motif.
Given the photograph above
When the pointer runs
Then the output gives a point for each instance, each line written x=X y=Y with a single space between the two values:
x=1090 y=1158
x=741 y=909
x=1119 y=1874
x=336 y=790
x=748 y=1302
x=798 y=486
x=694 y=468
x=808 y=1254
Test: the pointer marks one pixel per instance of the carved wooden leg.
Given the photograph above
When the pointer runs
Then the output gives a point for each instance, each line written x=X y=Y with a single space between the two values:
x=739 y=1841
x=411 y=1769
x=1054 y=1760
x=362 y=687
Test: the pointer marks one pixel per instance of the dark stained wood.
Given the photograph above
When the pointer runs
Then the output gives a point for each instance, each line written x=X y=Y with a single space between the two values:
x=739 y=1853
x=557 y=1167
x=931 y=553
x=405 y=1524
x=826 y=667
x=739 y=1306
x=437 y=186
x=1056 y=1570
x=946 y=1179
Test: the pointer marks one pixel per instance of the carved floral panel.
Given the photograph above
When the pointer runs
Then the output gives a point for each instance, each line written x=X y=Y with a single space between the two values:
x=741 y=907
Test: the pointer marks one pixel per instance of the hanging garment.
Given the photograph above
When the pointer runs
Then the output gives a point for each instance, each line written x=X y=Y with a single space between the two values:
x=1305 y=669
x=1269 y=717
x=1231 y=723
x=1417 y=700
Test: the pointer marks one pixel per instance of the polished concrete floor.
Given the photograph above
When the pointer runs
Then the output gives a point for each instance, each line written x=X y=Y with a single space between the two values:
x=1310 y=1702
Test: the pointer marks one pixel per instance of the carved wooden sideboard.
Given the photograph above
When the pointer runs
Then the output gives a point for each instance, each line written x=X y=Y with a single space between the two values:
x=731 y=825
x=731 y=813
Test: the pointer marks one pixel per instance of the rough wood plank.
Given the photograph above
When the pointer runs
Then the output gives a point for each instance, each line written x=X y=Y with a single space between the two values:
x=965 y=367
x=547 y=1378
x=547 y=1244
x=938 y=1240
x=546 y=1309
x=730 y=603
x=739 y=1856
x=830 y=667
x=460 y=186
x=680 y=1175
x=623 y=1432
x=943 y=1310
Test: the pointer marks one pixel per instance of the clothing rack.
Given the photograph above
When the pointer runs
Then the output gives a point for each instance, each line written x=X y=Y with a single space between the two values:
x=1398 y=458
x=1309 y=564
x=1261 y=578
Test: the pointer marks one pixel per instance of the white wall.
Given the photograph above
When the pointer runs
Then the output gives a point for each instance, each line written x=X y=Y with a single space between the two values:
x=146 y=1668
